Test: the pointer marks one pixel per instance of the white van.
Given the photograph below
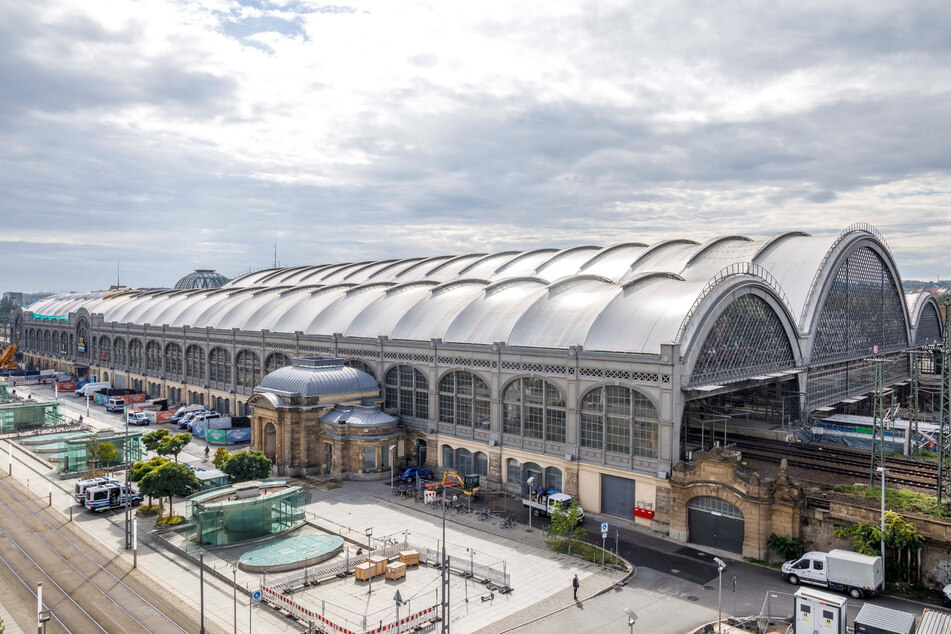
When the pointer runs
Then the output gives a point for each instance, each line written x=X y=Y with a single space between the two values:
x=186 y=409
x=91 y=388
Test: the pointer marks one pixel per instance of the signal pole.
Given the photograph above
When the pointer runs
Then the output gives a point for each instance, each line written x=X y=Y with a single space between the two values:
x=878 y=424
x=944 y=416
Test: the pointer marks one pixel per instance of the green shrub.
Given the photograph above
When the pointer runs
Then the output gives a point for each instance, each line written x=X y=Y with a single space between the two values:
x=170 y=520
x=147 y=510
x=787 y=547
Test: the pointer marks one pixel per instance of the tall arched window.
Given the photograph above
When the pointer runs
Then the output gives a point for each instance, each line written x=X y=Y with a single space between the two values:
x=119 y=352
x=136 y=354
x=513 y=471
x=360 y=365
x=56 y=348
x=464 y=399
x=153 y=357
x=47 y=337
x=173 y=359
x=105 y=349
x=276 y=361
x=480 y=463
x=553 y=478
x=534 y=408
x=448 y=458
x=619 y=419
x=219 y=366
x=195 y=364
x=406 y=390
x=463 y=461
x=83 y=342
x=247 y=369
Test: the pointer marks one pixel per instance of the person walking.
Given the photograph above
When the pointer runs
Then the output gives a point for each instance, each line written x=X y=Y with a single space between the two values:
x=207 y=451
x=574 y=586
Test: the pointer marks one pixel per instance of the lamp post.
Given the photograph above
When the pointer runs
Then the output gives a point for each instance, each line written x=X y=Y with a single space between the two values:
x=234 y=585
x=884 y=473
x=721 y=566
x=369 y=532
x=201 y=584
x=631 y=618
x=392 y=465
x=399 y=601
x=128 y=486
x=530 y=482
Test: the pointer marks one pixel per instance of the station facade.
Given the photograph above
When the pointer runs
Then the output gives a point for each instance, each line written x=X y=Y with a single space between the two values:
x=583 y=367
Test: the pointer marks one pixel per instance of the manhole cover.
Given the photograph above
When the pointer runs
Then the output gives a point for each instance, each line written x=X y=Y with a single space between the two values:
x=693 y=598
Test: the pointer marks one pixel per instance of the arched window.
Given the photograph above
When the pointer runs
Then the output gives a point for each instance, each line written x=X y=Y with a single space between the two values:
x=929 y=327
x=195 y=363
x=619 y=419
x=463 y=461
x=276 y=361
x=480 y=463
x=153 y=357
x=862 y=309
x=553 y=478
x=513 y=471
x=135 y=355
x=83 y=341
x=532 y=470
x=747 y=339
x=464 y=399
x=406 y=391
x=448 y=458
x=247 y=369
x=119 y=352
x=105 y=349
x=219 y=366
x=46 y=341
x=173 y=359
x=534 y=408
x=56 y=348
x=360 y=365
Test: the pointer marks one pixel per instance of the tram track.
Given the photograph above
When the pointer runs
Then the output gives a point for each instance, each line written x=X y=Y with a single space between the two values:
x=82 y=592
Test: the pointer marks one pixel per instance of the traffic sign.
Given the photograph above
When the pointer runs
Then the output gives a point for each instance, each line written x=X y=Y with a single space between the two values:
x=604 y=527
x=256 y=596
x=604 y=535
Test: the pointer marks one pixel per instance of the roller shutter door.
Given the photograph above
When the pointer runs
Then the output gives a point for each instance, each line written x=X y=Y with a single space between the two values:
x=617 y=496
x=716 y=523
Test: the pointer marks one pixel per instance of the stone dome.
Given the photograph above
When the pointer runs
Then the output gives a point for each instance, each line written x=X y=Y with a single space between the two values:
x=317 y=377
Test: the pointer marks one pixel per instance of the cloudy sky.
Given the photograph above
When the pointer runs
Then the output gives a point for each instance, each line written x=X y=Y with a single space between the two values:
x=177 y=135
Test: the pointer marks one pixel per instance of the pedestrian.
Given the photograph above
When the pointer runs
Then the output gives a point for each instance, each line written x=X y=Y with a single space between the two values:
x=359 y=552
x=574 y=586
x=80 y=419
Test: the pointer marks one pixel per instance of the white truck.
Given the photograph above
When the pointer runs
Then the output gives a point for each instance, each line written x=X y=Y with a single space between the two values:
x=843 y=570
x=90 y=388
x=546 y=504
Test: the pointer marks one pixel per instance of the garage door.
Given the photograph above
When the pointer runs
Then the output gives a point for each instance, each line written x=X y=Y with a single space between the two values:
x=617 y=496
x=716 y=523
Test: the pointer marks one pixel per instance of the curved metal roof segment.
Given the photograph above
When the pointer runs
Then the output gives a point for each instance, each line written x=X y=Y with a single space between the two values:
x=625 y=297
x=317 y=377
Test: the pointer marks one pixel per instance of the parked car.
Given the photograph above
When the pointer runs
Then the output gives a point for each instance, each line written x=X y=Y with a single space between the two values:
x=409 y=474
x=138 y=417
x=200 y=416
x=184 y=410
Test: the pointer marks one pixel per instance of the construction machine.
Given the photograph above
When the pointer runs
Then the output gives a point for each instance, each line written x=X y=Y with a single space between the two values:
x=469 y=485
x=6 y=359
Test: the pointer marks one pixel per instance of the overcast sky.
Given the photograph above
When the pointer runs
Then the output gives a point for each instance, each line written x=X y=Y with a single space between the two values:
x=182 y=135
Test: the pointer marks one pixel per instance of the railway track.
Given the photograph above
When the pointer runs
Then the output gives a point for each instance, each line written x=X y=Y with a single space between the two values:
x=833 y=459
x=82 y=586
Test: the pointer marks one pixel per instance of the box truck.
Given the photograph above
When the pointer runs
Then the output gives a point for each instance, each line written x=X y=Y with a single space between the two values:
x=842 y=570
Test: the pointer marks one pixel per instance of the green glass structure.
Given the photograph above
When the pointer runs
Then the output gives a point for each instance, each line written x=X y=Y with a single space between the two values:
x=23 y=415
x=244 y=512
x=75 y=451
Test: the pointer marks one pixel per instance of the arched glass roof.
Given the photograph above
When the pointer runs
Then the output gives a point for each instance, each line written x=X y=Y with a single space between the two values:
x=628 y=297
x=201 y=278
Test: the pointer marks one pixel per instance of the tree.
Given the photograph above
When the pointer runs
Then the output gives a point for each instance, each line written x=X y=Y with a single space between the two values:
x=221 y=457
x=153 y=439
x=169 y=480
x=173 y=445
x=247 y=465
x=107 y=453
x=92 y=453
x=565 y=524
x=140 y=469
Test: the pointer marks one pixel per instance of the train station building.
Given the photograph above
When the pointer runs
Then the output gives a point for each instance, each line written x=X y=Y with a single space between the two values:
x=589 y=368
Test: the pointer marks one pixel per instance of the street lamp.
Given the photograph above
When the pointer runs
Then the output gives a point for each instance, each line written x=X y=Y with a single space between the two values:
x=884 y=473
x=531 y=483
x=392 y=465
x=631 y=618
x=721 y=567
x=369 y=532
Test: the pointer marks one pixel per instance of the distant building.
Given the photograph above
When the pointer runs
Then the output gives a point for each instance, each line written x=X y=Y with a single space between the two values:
x=16 y=298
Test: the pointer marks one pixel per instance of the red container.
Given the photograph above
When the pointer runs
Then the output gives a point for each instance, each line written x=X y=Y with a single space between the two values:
x=66 y=386
x=164 y=417
x=642 y=512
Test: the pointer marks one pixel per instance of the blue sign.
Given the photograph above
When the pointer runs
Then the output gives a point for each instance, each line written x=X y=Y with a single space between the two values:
x=604 y=527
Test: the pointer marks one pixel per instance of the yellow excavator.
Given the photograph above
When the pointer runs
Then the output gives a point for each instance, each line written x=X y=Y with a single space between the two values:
x=450 y=479
x=6 y=359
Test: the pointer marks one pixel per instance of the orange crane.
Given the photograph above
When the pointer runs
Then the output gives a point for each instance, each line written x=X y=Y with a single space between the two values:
x=6 y=359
